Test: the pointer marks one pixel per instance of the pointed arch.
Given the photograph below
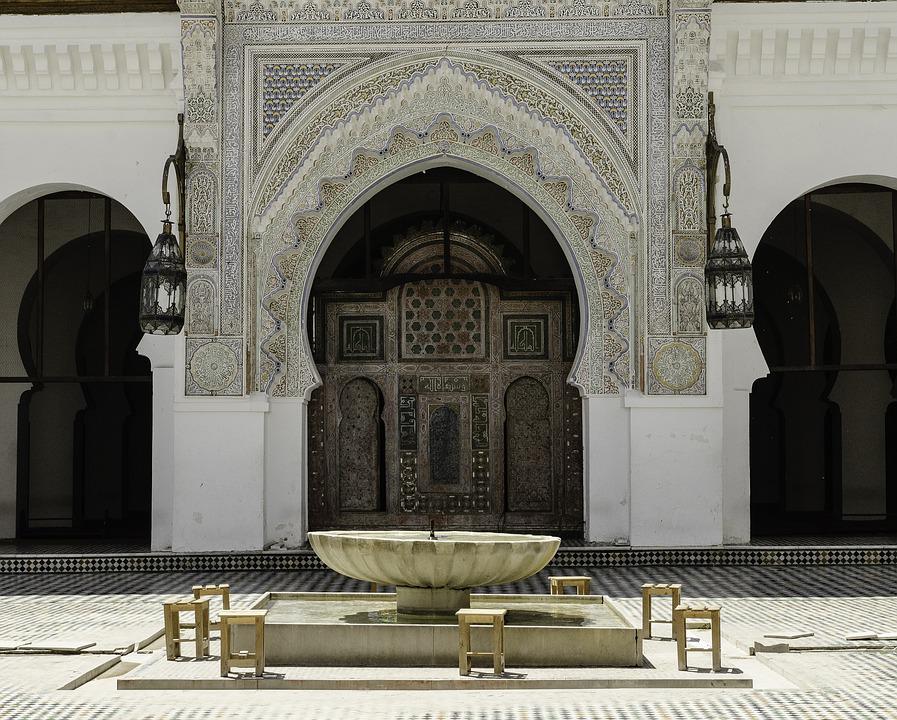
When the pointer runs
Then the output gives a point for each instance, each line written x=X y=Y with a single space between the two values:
x=444 y=115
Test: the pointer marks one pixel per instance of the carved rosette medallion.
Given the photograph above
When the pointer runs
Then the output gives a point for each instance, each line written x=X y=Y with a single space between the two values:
x=677 y=366
x=201 y=253
x=214 y=366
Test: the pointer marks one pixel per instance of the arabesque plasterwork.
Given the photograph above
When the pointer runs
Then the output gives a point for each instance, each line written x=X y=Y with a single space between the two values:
x=453 y=116
x=544 y=79
x=215 y=340
x=268 y=11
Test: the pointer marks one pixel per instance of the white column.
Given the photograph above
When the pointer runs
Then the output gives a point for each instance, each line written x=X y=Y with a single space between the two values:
x=743 y=363
x=160 y=349
x=286 y=471
x=219 y=473
x=676 y=450
x=606 y=468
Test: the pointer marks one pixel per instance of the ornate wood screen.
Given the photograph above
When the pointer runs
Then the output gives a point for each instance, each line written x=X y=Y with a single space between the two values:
x=446 y=396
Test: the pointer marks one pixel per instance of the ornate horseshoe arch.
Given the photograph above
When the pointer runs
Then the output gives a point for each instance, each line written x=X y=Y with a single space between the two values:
x=441 y=114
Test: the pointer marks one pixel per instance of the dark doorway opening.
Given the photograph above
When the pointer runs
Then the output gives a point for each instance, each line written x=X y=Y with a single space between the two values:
x=824 y=421
x=446 y=311
x=78 y=397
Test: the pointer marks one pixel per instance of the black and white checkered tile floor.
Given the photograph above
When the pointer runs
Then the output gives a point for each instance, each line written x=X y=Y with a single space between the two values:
x=466 y=705
x=717 y=581
x=827 y=600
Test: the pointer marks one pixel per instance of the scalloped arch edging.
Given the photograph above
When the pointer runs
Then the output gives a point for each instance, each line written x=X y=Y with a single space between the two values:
x=296 y=234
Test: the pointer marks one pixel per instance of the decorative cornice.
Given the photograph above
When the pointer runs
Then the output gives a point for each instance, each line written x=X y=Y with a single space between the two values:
x=75 y=59
x=70 y=7
x=289 y=11
x=764 y=49
x=105 y=68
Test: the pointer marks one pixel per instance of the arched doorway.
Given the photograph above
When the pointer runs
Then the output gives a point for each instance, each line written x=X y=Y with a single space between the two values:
x=76 y=424
x=443 y=321
x=824 y=421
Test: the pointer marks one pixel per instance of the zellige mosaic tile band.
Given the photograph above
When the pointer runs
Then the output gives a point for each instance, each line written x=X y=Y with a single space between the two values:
x=566 y=557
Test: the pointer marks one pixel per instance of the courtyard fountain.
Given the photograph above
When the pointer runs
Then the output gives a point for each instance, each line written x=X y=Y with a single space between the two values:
x=434 y=575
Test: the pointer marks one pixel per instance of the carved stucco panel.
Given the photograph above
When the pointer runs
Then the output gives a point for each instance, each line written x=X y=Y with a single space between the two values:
x=267 y=11
x=578 y=179
x=460 y=85
x=294 y=374
x=676 y=364
x=507 y=156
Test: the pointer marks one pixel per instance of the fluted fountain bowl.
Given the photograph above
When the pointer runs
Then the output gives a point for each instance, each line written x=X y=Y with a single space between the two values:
x=433 y=576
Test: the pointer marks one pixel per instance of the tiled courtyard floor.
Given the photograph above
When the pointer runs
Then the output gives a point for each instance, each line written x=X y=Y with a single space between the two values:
x=116 y=610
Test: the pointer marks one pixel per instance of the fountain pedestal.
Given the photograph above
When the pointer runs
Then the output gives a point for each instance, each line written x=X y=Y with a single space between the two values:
x=431 y=601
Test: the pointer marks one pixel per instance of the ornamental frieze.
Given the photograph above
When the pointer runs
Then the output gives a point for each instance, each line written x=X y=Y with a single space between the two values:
x=271 y=11
x=575 y=95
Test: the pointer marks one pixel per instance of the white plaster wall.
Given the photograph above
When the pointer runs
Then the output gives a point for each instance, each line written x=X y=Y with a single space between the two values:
x=742 y=364
x=286 y=470
x=219 y=474
x=606 y=458
x=86 y=102
x=676 y=468
x=676 y=463
x=806 y=96
x=160 y=349
x=89 y=101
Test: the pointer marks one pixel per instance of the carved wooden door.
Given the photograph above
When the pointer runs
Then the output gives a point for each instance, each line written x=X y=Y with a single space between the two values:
x=446 y=397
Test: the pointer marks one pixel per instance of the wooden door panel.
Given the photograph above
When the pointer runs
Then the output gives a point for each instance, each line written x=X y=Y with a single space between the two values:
x=489 y=437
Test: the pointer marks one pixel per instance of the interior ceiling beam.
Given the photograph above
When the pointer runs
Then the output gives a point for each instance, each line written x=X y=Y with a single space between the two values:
x=68 y=7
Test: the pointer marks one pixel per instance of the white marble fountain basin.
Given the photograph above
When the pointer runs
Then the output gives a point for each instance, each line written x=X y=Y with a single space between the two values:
x=454 y=561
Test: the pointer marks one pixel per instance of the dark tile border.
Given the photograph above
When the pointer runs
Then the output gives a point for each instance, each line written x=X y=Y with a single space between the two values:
x=566 y=557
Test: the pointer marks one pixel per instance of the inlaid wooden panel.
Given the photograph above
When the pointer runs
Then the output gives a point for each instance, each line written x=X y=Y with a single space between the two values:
x=476 y=421
x=360 y=446
x=528 y=446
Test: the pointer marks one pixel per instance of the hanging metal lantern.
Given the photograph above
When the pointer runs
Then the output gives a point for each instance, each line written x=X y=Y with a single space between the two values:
x=163 y=286
x=728 y=278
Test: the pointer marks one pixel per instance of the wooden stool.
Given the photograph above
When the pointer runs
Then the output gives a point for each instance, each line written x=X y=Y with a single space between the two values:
x=697 y=610
x=481 y=616
x=582 y=583
x=650 y=590
x=243 y=659
x=210 y=591
x=173 y=639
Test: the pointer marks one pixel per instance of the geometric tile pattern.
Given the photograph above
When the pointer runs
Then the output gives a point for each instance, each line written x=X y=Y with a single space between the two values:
x=461 y=705
x=443 y=319
x=835 y=686
x=604 y=81
x=525 y=337
x=283 y=85
x=827 y=601
x=818 y=671
x=570 y=557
